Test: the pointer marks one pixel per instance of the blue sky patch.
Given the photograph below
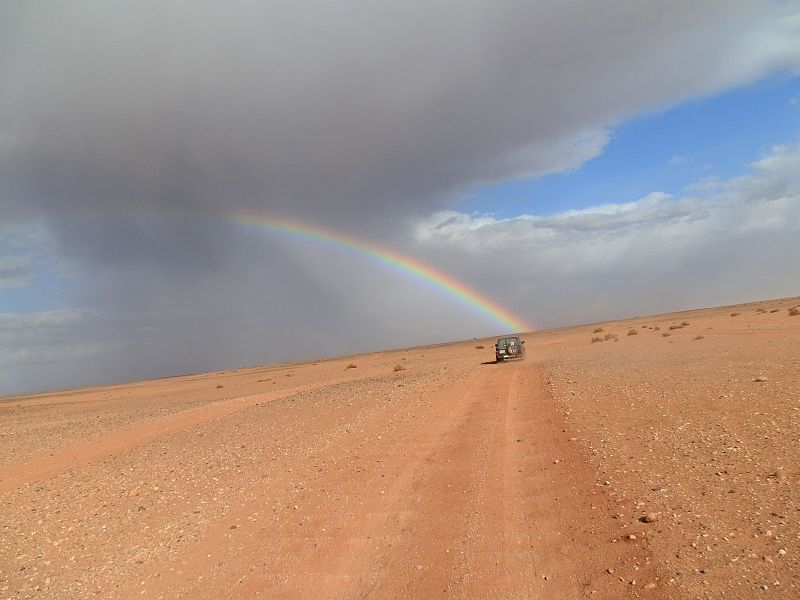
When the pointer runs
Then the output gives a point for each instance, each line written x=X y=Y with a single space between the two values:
x=662 y=151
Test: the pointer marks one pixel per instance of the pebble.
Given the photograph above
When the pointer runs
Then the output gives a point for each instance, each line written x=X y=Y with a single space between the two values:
x=650 y=517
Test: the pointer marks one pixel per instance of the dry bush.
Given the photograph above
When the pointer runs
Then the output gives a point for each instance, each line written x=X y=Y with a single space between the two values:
x=685 y=324
x=633 y=332
x=398 y=368
x=656 y=328
x=775 y=310
x=219 y=387
x=478 y=347
x=666 y=334
x=760 y=311
x=351 y=366
x=699 y=337
x=735 y=314
x=610 y=336
x=793 y=312
x=598 y=330
x=596 y=338
x=674 y=327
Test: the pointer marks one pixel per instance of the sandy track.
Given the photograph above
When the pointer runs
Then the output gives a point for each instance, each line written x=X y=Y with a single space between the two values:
x=440 y=483
x=446 y=478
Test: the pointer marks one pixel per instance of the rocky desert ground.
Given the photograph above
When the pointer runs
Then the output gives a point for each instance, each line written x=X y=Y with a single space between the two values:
x=655 y=457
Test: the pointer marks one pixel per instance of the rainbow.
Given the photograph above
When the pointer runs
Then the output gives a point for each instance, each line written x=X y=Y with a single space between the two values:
x=383 y=256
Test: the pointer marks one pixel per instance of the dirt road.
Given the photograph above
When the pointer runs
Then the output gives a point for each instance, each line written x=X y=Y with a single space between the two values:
x=422 y=473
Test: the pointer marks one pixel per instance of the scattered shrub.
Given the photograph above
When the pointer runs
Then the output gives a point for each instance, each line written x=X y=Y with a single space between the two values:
x=666 y=334
x=760 y=311
x=775 y=310
x=598 y=330
x=656 y=328
x=633 y=332
x=699 y=337
x=478 y=347
x=610 y=336
x=793 y=312
x=399 y=368
x=685 y=324
x=674 y=327
x=735 y=314
x=351 y=366
x=596 y=338
x=220 y=386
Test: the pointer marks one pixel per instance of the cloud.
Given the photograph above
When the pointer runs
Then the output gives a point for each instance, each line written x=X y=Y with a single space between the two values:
x=331 y=111
x=41 y=338
x=13 y=272
x=24 y=251
x=737 y=241
x=55 y=349
x=676 y=160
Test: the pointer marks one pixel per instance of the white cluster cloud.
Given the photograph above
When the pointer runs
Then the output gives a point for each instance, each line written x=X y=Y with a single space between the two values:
x=737 y=240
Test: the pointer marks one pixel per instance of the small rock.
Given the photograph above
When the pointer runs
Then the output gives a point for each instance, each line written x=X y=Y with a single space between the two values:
x=650 y=517
x=650 y=586
x=631 y=536
x=760 y=379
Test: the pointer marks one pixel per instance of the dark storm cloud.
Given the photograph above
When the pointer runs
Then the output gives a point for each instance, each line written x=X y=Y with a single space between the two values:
x=335 y=109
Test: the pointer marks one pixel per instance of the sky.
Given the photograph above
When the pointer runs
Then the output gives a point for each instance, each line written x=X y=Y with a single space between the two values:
x=564 y=162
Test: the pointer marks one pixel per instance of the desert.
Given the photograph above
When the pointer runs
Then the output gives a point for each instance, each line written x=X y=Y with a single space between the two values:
x=651 y=457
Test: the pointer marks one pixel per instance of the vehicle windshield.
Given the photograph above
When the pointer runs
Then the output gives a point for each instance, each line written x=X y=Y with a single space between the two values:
x=507 y=342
